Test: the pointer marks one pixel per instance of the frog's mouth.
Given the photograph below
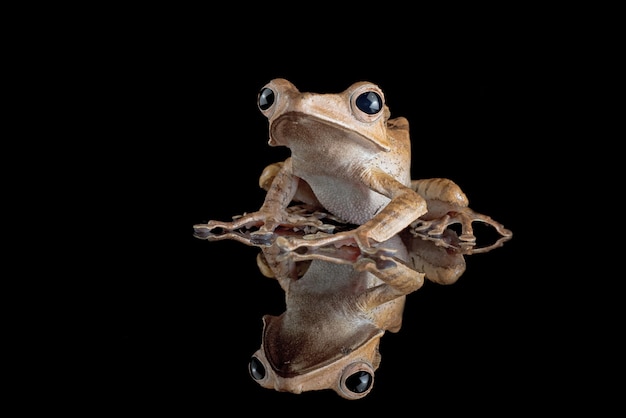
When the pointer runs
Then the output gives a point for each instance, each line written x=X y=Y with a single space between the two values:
x=297 y=352
x=298 y=129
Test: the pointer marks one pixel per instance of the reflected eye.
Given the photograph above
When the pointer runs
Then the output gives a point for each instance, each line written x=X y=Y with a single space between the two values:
x=369 y=102
x=359 y=382
x=356 y=381
x=266 y=98
x=256 y=368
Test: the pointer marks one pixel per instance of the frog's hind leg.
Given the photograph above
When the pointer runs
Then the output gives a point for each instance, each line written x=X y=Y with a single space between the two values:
x=440 y=263
x=433 y=230
x=448 y=205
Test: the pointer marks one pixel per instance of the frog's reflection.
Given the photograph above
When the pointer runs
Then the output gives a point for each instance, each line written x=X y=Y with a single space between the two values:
x=340 y=299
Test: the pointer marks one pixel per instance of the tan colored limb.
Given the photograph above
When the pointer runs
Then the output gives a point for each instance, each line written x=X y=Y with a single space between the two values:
x=271 y=214
x=398 y=277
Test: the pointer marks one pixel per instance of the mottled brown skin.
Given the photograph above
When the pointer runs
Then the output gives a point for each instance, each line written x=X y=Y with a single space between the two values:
x=365 y=236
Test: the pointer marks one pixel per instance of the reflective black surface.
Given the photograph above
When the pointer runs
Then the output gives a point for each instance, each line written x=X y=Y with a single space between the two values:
x=170 y=321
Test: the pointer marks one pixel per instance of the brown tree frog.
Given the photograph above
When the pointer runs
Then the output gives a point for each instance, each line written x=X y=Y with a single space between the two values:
x=347 y=233
x=350 y=159
x=339 y=302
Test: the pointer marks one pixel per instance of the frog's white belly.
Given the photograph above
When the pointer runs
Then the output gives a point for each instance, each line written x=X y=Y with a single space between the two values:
x=352 y=203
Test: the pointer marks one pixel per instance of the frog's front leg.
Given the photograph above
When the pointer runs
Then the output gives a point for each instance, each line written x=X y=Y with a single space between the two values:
x=303 y=191
x=405 y=206
x=399 y=280
x=271 y=214
x=448 y=205
x=398 y=277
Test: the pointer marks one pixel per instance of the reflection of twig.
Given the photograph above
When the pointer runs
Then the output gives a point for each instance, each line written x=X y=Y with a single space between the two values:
x=432 y=230
x=302 y=220
x=465 y=248
x=308 y=223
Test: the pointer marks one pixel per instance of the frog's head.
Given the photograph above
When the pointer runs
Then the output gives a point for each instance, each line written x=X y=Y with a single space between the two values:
x=316 y=358
x=358 y=114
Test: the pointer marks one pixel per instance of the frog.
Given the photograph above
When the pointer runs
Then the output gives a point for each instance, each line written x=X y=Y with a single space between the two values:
x=351 y=159
x=339 y=302
x=347 y=233
x=335 y=315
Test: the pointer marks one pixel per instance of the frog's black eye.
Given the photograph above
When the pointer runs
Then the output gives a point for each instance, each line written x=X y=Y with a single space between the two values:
x=369 y=102
x=359 y=382
x=356 y=381
x=266 y=98
x=256 y=368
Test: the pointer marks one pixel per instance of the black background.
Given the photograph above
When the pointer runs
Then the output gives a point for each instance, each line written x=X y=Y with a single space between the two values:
x=170 y=321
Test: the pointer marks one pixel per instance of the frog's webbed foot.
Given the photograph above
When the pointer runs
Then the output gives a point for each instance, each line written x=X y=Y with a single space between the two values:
x=434 y=229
